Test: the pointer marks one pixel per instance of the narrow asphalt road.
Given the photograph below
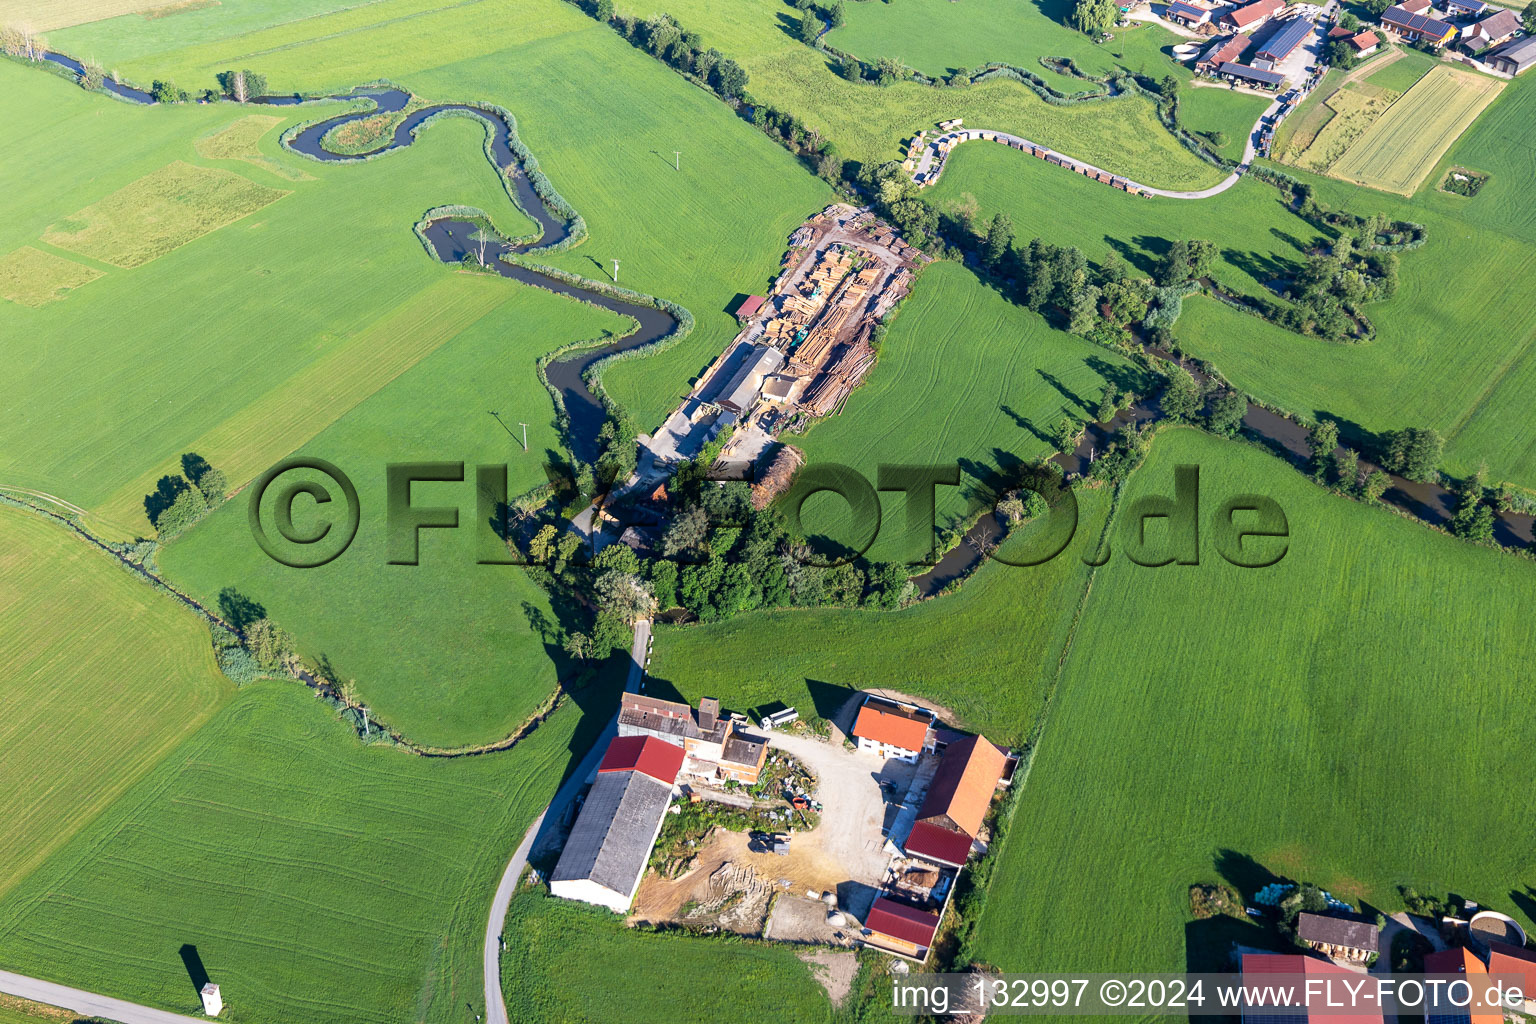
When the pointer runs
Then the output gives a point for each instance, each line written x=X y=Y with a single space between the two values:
x=495 y=1005
x=87 y=1004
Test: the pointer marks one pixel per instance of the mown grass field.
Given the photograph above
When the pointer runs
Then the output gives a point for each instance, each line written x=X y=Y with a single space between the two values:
x=643 y=977
x=1296 y=718
x=1402 y=146
x=1423 y=368
x=209 y=345
x=965 y=379
x=450 y=652
x=988 y=652
x=103 y=676
x=318 y=879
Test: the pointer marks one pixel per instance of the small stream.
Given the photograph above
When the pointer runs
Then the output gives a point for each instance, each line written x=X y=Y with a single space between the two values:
x=453 y=238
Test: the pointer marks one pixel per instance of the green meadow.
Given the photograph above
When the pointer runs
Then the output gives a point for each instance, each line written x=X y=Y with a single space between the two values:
x=103 y=677
x=238 y=345
x=1344 y=717
x=988 y=652
x=643 y=977
x=450 y=652
x=938 y=37
x=317 y=878
x=965 y=379
x=1411 y=374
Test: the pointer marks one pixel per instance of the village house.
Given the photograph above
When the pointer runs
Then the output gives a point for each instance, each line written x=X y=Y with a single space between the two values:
x=957 y=802
x=1491 y=31
x=1249 y=16
x=893 y=729
x=1407 y=25
x=1504 y=958
x=1514 y=58
x=1365 y=43
x=1257 y=967
x=1343 y=938
x=610 y=843
x=718 y=748
x=1187 y=14
x=899 y=928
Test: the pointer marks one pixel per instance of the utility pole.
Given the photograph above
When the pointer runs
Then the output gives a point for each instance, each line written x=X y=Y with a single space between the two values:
x=366 y=731
x=525 y=434
x=615 y=271
x=677 y=159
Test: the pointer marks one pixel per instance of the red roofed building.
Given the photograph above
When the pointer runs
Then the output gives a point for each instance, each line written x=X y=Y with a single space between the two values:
x=1250 y=16
x=898 y=928
x=1366 y=43
x=893 y=729
x=1506 y=959
x=1291 y=970
x=657 y=758
x=936 y=843
x=957 y=802
x=1457 y=961
x=749 y=306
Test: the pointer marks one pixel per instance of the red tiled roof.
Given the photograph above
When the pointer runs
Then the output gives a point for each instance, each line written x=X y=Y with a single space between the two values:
x=1365 y=40
x=1506 y=959
x=1459 y=961
x=751 y=304
x=900 y=921
x=1293 y=963
x=1242 y=17
x=657 y=758
x=962 y=788
x=886 y=724
x=936 y=842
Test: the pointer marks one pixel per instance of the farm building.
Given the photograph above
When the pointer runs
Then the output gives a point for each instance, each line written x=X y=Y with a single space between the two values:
x=717 y=748
x=901 y=929
x=1456 y=961
x=1250 y=16
x=893 y=729
x=611 y=841
x=1343 y=938
x=1257 y=967
x=1252 y=76
x=1466 y=8
x=957 y=802
x=749 y=307
x=1188 y=15
x=1283 y=42
x=1410 y=27
x=1514 y=58
x=1223 y=51
x=743 y=390
x=1491 y=31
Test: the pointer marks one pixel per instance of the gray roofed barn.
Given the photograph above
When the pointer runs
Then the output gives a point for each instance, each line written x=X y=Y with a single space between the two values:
x=1516 y=57
x=1283 y=43
x=611 y=841
x=1342 y=933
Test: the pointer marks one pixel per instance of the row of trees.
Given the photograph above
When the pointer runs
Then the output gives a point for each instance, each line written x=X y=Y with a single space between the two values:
x=663 y=38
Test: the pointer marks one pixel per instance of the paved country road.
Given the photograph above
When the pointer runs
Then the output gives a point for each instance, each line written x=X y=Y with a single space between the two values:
x=87 y=1004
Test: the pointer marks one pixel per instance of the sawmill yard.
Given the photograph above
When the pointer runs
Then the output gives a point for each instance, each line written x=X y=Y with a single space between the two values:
x=320 y=830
